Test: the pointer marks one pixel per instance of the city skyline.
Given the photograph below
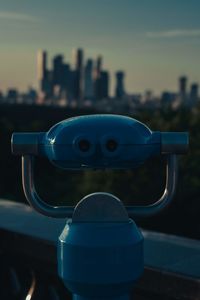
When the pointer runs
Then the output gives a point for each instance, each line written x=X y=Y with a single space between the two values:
x=82 y=78
x=112 y=77
x=85 y=78
x=154 y=43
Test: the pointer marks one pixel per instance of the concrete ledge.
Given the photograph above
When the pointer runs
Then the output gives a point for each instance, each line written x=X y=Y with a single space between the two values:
x=172 y=264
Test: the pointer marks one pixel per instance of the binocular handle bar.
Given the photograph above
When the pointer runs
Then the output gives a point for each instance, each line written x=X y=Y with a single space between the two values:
x=33 y=198
x=168 y=194
x=66 y=211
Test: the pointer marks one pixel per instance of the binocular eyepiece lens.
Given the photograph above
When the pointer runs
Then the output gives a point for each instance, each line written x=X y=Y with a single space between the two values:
x=111 y=145
x=84 y=145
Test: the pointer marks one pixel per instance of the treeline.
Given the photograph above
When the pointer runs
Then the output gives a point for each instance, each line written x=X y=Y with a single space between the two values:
x=140 y=186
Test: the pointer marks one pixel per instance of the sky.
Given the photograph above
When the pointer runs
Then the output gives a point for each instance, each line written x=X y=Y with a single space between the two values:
x=153 y=41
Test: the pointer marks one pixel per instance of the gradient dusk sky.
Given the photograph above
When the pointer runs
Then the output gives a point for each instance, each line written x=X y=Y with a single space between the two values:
x=153 y=41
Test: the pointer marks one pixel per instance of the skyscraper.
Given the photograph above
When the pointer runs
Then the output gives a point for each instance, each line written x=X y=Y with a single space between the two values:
x=78 y=58
x=67 y=80
x=41 y=64
x=194 y=93
x=183 y=86
x=99 y=63
x=97 y=77
x=58 y=70
x=88 y=82
x=119 y=91
x=104 y=85
x=42 y=72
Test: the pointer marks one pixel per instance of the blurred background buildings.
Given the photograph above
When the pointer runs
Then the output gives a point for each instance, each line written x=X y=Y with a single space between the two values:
x=85 y=83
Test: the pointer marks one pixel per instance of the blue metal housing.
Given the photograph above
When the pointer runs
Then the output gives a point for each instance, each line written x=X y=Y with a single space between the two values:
x=100 y=259
x=131 y=142
x=100 y=252
x=95 y=141
x=98 y=142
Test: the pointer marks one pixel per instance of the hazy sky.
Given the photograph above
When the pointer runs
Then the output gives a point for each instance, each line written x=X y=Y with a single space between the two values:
x=153 y=41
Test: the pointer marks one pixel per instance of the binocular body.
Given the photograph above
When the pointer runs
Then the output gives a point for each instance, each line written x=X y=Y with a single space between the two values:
x=100 y=251
x=99 y=142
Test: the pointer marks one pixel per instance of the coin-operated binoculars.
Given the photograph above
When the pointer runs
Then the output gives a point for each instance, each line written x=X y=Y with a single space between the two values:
x=100 y=251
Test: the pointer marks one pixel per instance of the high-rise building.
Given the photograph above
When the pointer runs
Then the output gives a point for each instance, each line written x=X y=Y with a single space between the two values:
x=77 y=56
x=97 y=77
x=42 y=71
x=183 y=86
x=99 y=64
x=119 y=91
x=67 y=80
x=104 y=85
x=41 y=64
x=78 y=61
x=48 y=84
x=194 y=93
x=58 y=70
x=88 y=82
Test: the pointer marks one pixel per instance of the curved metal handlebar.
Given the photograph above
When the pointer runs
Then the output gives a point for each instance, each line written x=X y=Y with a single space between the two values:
x=33 y=198
x=66 y=211
x=166 y=198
